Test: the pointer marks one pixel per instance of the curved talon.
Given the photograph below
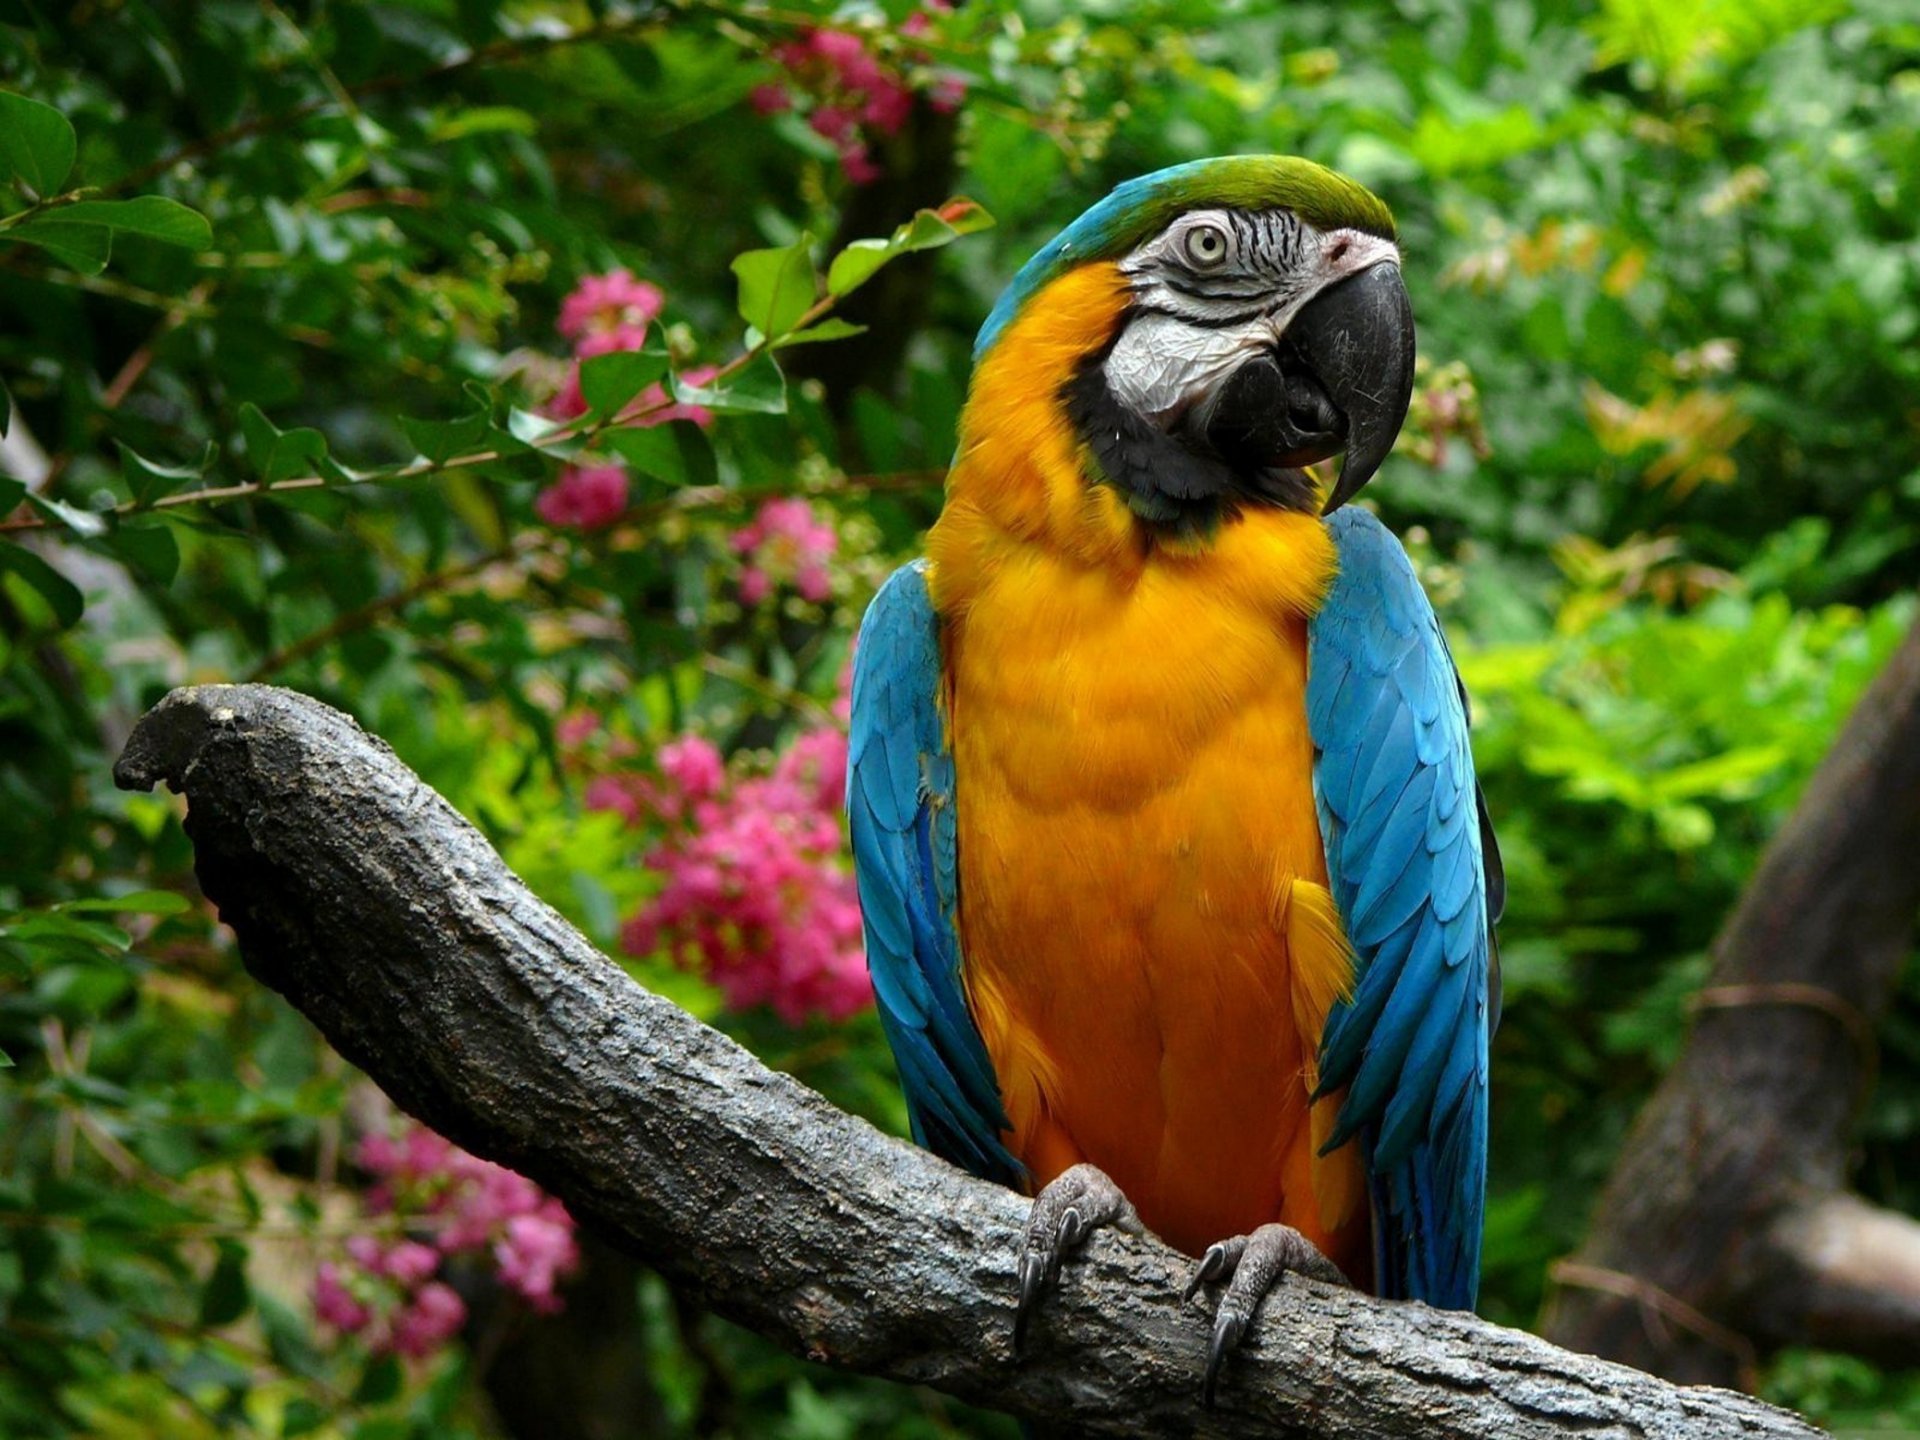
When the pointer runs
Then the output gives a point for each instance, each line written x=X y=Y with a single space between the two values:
x=1227 y=1333
x=1212 y=1266
x=1251 y=1265
x=1064 y=1214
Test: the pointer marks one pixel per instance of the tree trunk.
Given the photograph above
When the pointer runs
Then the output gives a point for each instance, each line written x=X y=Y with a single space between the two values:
x=360 y=895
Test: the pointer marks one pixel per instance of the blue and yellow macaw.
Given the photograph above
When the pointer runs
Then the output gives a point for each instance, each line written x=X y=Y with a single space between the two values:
x=1177 y=885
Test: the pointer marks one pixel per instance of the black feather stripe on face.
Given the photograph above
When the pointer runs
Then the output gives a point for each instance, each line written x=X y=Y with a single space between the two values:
x=1175 y=484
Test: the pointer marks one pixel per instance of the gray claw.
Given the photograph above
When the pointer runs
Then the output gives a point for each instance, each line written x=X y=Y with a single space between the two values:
x=1252 y=1265
x=1064 y=1214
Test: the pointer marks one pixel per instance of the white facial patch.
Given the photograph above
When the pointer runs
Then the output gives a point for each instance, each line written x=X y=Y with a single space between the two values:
x=1162 y=364
x=1215 y=288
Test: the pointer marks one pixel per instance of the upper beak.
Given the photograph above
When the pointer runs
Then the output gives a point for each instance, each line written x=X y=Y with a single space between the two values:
x=1342 y=380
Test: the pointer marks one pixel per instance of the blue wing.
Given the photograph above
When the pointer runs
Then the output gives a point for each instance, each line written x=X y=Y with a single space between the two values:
x=1403 y=823
x=905 y=849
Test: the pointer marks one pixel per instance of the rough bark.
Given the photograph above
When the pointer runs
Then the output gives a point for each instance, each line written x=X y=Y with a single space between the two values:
x=1730 y=1195
x=360 y=894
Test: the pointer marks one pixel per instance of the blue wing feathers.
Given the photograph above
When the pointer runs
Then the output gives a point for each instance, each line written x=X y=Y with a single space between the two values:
x=905 y=847
x=1407 y=856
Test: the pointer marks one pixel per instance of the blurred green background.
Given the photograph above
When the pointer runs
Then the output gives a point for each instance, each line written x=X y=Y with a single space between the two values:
x=1662 y=480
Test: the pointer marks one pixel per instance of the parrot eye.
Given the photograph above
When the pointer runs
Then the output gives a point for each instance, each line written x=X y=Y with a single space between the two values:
x=1205 y=246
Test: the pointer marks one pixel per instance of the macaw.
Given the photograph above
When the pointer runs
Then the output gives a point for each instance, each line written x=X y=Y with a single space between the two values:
x=1177 y=884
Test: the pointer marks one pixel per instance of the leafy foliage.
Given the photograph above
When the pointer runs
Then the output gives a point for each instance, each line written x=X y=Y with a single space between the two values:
x=442 y=361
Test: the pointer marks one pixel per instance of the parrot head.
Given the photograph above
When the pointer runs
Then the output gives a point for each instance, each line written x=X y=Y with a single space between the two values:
x=1252 y=322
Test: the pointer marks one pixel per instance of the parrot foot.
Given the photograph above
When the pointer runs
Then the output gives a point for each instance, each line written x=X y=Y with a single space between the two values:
x=1069 y=1209
x=1252 y=1265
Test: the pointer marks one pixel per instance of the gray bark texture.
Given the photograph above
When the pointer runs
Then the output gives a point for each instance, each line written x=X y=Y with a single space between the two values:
x=363 y=897
x=1730 y=1196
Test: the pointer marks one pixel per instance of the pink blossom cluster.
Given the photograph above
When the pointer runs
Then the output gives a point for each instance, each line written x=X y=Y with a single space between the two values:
x=786 y=543
x=850 y=93
x=387 y=1290
x=755 y=892
x=604 y=314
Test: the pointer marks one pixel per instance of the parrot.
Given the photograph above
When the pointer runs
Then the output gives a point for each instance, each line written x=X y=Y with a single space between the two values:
x=1177 y=882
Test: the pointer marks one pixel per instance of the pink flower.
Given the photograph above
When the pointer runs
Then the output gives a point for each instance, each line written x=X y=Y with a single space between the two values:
x=857 y=165
x=755 y=893
x=536 y=1251
x=611 y=302
x=575 y=729
x=693 y=766
x=585 y=497
x=332 y=1303
x=847 y=55
x=887 y=107
x=434 y=1317
x=833 y=122
x=785 y=543
x=769 y=99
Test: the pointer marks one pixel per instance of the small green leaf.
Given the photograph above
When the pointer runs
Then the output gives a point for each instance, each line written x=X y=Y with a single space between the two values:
x=379 y=1382
x=441 y=440
x=829 y=329
x=12 y=492
x=149 y=480
x=856 y=265
x=151 y=549
x=60 y=593
x=928 y=230
x=154 y=216
x=677 y=452
x=6 y=1061
x=84 y=523
x=85 y=248
x=483 y=120
x=135 y=902
x=226 y=1297
x=36 y=143
x=609 y=382
x=277 y=454
x=757 y=388
x=776 y=286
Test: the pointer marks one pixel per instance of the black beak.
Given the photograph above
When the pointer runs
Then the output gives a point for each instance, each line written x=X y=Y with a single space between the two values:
x=1341 y=380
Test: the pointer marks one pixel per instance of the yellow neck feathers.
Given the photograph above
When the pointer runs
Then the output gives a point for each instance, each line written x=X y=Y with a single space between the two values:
x=1018 y=489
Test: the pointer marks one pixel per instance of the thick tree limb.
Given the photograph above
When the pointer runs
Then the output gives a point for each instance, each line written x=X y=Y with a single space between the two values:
x=1730 y=1195
x=358 y=893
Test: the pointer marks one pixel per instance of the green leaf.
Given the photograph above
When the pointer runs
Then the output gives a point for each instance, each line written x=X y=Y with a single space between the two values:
x=379 y=1382
x=85 y=523
x=677 y=452
x=928 y=230
x=150 y=480
x=829 y=329
x=776 y=286
x=36 y=143
x=483 y=120
x=226 y=1297
x=135 y=902
x=609 y=382
x=12 y=492
x=150 y=548
x=441 y=440
x=757 y=388
x=83 y=247
x=6 y=1061
x=60 y=593
x=6 y=409
x=153 y=216
x=277 y=454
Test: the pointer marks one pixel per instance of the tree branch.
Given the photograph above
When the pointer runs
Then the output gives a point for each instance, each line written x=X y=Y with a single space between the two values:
x=1730 y=1195
x=360 y=894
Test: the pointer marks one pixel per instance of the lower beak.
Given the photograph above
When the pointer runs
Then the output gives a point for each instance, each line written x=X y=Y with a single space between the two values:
x=1340 y=380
